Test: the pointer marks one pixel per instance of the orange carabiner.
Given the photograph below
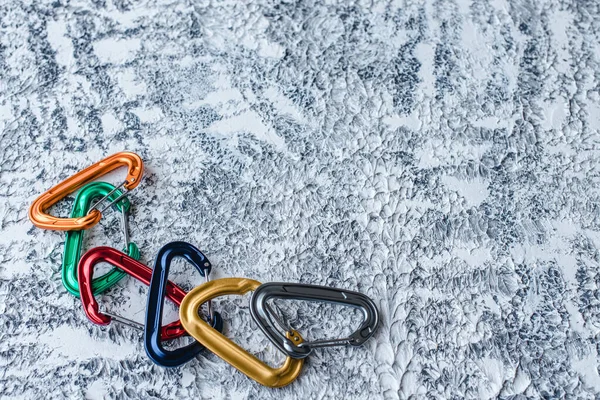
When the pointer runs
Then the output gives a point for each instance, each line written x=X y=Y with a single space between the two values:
x=224 y=347
x=37 y=211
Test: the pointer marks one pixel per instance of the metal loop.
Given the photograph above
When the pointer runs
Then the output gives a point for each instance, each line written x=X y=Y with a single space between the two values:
x=38 y=209
x=266 y=319
x=139 y=271
x=224 y=347
x=74 y=240
x=156 y=295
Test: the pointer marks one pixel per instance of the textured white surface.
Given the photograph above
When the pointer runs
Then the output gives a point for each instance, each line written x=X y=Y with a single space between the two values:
x=439 y=156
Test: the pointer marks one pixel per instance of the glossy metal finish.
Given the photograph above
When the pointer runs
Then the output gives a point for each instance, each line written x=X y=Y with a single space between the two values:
x=224 y=347
x=156 y=300
x=264 y=317
x=134 y=268
x=74 y=239
x=37 y=211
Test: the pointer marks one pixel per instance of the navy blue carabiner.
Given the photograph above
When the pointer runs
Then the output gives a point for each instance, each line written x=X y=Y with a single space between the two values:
x=156 y=301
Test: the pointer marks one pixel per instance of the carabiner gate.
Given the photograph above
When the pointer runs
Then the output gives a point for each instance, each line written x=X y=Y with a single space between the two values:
x=119 y=197
x=266 y=319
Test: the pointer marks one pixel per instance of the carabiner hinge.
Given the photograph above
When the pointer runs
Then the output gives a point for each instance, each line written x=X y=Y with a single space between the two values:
x=125 y=227
x=125 y=321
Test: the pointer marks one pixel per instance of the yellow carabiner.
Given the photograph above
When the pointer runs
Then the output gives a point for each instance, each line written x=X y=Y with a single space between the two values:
x=224 y=347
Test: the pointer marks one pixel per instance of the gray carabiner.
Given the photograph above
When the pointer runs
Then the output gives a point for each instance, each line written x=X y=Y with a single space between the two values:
x=266 y=319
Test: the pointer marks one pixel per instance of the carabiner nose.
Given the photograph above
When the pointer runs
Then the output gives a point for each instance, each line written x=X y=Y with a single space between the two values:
x=130 y=248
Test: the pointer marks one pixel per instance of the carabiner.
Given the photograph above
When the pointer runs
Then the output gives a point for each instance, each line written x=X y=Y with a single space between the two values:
x=156 y=301
x=85 y=271
x=37 y=211
x=74 y=239
x=262 y=314
x=224 y=347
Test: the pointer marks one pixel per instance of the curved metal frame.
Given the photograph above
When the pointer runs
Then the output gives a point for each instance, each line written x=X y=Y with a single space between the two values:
x=74 y=239
x=224 y=347
x=156 y=301
x=261 y=314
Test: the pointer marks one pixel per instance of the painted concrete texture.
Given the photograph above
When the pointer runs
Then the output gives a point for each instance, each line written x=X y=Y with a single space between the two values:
x=441 y=157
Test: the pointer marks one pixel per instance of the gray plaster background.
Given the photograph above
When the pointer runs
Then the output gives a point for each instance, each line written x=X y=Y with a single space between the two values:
x=439 y=156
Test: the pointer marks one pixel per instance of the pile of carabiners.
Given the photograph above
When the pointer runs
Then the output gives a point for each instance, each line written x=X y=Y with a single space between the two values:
x=78 y=271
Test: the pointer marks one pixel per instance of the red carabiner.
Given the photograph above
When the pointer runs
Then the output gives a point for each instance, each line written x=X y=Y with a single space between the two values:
x=143 y=273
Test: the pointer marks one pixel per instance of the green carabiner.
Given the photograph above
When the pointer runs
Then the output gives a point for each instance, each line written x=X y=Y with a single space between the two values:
x=74 y=239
